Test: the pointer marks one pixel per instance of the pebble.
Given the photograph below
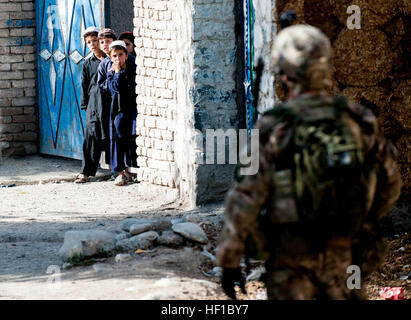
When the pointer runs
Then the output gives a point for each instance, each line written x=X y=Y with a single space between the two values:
x=217 y=271
x=120 y=258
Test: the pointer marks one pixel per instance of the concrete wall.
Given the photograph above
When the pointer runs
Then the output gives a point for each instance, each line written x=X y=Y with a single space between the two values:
x=264 y=32
x=214 y=90
x=121 y=15
x=18 y=88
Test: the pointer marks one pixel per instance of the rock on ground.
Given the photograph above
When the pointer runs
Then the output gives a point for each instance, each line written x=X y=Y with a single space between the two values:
x=190 y=231
x=170 y=238
x=139 y=228
x=86 y=243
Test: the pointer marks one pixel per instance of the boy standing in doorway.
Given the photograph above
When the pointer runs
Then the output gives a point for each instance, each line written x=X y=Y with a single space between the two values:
x=119 y=81
x=122 y=143
x=96 y=134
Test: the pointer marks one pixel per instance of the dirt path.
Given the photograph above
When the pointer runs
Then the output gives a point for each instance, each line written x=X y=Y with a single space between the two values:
x=34 y=219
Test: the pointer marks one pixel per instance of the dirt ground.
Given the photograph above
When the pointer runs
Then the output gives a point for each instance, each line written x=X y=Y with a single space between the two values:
x=35 y=217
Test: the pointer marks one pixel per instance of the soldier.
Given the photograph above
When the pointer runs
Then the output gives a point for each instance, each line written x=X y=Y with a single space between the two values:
x=326 y=177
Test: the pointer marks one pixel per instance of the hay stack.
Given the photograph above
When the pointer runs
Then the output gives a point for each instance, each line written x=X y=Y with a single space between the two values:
x=395 y=31
x=401 y=105
x=374 y=13
x=362 y=58
x=404 y=6
x=404 y=148
x=377 y=96
x=318 y=13
x=298 y=7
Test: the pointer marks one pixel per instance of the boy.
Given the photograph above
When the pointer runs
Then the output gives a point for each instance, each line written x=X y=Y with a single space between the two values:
x=95 y=135
x=128 y=38
x=117 y=77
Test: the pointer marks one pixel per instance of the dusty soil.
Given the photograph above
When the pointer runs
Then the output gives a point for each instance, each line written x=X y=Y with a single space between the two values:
x=34 y=219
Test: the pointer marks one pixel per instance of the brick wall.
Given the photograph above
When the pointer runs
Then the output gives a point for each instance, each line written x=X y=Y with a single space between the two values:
x=18 y=101
x=156 y=88
x=186 y=64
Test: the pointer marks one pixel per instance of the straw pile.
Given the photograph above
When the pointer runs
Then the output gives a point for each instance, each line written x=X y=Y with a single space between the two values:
x=401 y=105
x=362 y=57
x=318 y=13
x=404 y=6
x=374 y=13
x=298 y=7
x=372 y=65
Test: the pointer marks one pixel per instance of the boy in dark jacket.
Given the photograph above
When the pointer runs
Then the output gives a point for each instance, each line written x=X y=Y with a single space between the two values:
x=117 y=77
x=96 y=134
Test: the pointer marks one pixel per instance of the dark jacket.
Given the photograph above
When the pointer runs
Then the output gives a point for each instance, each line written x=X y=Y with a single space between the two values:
x=91 y=97
x=120 y=86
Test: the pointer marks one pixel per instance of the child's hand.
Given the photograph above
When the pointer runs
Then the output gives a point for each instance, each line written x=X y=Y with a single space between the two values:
x=115 y=67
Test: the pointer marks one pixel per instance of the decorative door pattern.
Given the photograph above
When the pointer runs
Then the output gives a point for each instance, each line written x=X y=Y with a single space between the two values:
x=61 y=52
x=249 y=72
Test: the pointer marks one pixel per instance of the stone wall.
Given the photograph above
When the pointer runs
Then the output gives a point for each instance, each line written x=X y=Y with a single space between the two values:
x=18 y=93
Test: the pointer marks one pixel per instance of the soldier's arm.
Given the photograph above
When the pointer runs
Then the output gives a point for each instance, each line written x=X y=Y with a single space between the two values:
x=388 y=188
x=243 y=205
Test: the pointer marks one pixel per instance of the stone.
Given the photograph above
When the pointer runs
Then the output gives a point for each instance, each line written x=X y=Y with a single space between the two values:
x=82 y=244
x=160 y=224
x=120 y=258
x=190 y=231
x=217 y=271
x=178 y=220
x=139 y=228
x=121 y=236
x=127 y=223
x=149 y=235
x=135 y=243
x=170 y=238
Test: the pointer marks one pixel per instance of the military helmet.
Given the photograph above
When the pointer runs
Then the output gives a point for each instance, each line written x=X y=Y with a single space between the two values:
x=303 y=54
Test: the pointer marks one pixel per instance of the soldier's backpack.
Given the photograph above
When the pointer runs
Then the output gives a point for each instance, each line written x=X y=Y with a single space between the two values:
x=322 y=184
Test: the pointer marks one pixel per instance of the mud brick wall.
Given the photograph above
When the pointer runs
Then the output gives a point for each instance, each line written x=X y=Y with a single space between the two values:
x=18 y=93
x=185 y=84
x=372 y=65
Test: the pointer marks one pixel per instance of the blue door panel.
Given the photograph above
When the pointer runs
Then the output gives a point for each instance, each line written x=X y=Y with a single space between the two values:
x=61 y=53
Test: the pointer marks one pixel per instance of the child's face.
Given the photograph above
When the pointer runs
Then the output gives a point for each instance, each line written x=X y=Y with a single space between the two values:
x=105 y=44
x=92 y=43
x=130 y=46
x=119 y=56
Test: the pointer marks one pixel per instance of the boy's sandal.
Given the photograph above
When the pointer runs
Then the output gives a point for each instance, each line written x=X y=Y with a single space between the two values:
x=81 y=178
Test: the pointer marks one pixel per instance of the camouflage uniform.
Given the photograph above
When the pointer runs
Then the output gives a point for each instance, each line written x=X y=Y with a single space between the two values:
x=296 y=269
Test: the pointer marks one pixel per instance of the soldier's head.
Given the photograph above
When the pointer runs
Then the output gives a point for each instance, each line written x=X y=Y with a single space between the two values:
x=301 y=55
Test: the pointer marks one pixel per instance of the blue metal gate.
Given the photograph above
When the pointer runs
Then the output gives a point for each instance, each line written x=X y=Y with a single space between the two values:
x=249 y=72
x=61 y=51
